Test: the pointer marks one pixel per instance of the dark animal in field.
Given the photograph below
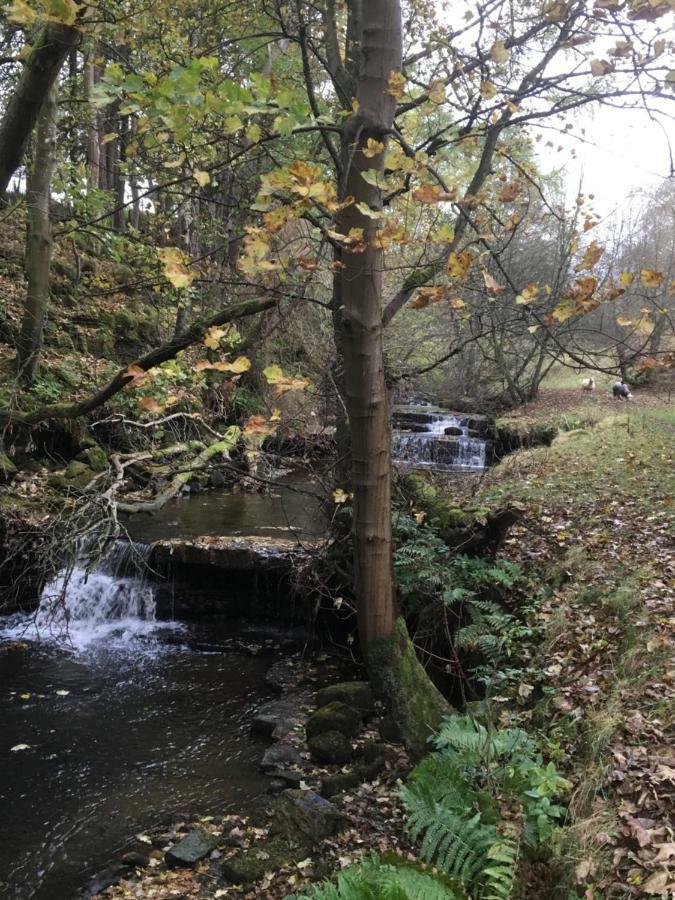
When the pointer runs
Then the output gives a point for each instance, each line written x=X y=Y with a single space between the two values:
x=621 y=391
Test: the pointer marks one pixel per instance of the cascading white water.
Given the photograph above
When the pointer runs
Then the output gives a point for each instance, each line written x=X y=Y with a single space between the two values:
x=114 y=604
x=435 y=447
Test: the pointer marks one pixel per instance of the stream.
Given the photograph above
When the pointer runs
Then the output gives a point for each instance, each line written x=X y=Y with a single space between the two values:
x=113 y=720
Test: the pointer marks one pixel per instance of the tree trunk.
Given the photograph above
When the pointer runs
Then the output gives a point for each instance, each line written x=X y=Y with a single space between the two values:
x=93 y=149
x=391 y=659
x=42 y=67
x=39 y=241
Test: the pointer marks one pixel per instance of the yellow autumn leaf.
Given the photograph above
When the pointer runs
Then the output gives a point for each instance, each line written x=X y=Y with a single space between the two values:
x=232 y=124
x=563 y=311
x=498 y=52
x=62 y=11
x=493 y=286
x=368 y=211
x=340 y=496
x=532 y=328
x=175 y=269
x=212 y=337
x=459 y=264
x=487 y=90
x=527 y=294
x=202 y=178
x=254 y=133
x=624 y=321
x=136 y=376
x=427 y=295
x=372 y=148
x=651 y=278
x=241 y=364
x=437 y=91
x=427 y=193
x=276 y=376
x=456 y=303
x=175 y=163
x=21 y=13
x=591 y=256
x=626 y=279
x=601 y=67
x=396 y=84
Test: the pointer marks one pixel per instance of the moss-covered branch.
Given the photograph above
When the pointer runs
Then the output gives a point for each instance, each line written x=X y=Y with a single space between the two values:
x=154 y=358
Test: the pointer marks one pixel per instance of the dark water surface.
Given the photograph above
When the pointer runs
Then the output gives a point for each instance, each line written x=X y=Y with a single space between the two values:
x=291 y=508
x=144 y=731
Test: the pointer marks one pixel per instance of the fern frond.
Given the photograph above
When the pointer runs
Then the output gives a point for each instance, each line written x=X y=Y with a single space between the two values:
x=375 y=879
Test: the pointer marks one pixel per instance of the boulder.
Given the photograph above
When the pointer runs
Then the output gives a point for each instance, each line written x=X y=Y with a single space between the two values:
x=78 y=475
x=454 y=431
x=357 y=694
x=276 y=718
x=280 y=756
x=335 y=716
x=305 y=816
x=330 y=748
x=95 y=457
x=194 y=847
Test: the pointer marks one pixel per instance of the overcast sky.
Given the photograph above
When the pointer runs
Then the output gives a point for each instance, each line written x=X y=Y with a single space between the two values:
x=621 y=150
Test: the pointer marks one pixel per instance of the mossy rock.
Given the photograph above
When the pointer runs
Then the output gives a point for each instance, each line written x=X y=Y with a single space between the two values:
x=357 y=694
x=263 y=856
x=57 y=481
x=78 y=475
x=331 y=748
x=305 y=817
x=95 y=457
x=335 y=716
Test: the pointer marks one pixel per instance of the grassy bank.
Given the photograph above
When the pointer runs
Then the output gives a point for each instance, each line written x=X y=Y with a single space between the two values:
x=598 y=536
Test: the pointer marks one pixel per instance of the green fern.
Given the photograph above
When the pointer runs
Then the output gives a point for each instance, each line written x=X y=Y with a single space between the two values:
x=499 y=874
x=391 y=878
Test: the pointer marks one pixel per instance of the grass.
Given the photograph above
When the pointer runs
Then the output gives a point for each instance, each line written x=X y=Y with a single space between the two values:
x=600 y=504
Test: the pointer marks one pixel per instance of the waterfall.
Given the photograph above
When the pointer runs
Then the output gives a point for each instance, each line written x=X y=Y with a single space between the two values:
x=439 y=440
x=114 y=603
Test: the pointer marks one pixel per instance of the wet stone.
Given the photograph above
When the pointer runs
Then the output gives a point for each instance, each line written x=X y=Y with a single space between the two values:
x=306 y=816
x=194 y=847
x=276 y=718
x=280 y=756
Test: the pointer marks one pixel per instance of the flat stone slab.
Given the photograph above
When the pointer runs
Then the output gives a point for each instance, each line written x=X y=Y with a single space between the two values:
x=280 y=756
x=277 y=718
x=194 y=847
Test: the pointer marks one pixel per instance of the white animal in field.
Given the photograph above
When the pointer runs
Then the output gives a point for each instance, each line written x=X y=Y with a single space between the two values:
x=588 y=384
